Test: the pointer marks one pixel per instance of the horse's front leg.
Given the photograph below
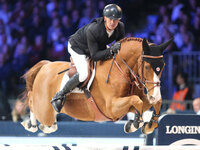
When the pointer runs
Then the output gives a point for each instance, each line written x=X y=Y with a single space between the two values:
x=133 y=125
x=149 y=127
x=120 y=106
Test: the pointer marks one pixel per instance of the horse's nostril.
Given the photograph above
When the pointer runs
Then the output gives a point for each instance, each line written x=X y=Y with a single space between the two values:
x=152 y=98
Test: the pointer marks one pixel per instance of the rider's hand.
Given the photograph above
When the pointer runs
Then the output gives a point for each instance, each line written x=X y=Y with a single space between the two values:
x=115 y=48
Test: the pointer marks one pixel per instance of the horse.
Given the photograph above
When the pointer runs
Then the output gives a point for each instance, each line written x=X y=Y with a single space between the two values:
x=133 y=86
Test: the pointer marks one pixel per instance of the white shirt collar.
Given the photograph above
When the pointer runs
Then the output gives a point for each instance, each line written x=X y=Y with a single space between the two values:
x=110 y=33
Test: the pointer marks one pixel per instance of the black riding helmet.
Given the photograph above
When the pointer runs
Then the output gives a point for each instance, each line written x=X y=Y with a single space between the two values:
x=112 y=11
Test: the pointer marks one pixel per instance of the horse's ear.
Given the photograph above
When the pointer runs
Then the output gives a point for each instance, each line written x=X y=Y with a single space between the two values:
x=145 y=47
x=163 y=46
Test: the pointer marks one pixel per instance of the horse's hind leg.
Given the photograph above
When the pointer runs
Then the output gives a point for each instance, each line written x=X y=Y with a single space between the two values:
x=31 y=124
x=47 y=118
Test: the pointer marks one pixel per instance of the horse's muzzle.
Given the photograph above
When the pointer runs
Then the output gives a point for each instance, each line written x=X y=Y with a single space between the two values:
x=152 y=100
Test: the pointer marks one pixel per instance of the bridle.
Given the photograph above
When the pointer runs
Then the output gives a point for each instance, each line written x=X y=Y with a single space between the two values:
x=137 y=81
x=155 y=84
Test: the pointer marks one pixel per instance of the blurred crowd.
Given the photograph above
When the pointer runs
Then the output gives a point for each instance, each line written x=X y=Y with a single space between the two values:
x=180 y=19
x=31 y=31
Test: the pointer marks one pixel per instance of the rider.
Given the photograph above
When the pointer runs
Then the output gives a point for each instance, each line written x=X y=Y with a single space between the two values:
x=91 y=41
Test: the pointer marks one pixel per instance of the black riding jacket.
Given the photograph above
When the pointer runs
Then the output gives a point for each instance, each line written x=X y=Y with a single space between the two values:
x=91 y=39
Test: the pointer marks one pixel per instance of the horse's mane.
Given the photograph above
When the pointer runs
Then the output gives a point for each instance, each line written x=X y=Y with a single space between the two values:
x=130 y=39
x=134 y=39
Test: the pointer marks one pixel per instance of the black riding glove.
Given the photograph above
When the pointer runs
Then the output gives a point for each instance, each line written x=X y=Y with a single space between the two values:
x=115 y=48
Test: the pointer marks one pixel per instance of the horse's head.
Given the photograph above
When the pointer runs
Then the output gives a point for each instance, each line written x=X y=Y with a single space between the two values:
x=151 y=70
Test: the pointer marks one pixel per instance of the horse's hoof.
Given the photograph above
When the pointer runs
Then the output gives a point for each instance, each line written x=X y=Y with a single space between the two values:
x=145 y=129
x=29 y=127
x=48 y=129
x=138 y=124
x=129 y=126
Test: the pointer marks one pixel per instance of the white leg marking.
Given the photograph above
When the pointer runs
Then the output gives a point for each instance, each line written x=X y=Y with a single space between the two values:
x=33 y=119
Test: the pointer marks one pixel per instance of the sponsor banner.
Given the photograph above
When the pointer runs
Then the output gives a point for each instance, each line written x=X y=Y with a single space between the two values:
x=174 y=128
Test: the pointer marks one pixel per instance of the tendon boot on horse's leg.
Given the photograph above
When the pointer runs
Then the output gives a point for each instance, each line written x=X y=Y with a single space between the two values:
x=59 y=99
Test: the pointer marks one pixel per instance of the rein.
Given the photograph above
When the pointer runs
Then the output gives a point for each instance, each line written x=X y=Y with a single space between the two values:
x=137 y=80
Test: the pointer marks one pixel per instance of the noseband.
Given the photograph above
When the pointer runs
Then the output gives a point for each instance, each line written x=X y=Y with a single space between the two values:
x=137 y=80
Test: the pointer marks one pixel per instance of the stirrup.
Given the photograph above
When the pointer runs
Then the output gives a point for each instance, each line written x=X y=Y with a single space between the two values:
x=58 y=102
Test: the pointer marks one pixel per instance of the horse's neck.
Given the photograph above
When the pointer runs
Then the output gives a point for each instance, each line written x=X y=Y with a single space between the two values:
x=132 y=55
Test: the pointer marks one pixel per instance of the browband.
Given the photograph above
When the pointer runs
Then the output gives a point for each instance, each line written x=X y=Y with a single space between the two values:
x=147 y=56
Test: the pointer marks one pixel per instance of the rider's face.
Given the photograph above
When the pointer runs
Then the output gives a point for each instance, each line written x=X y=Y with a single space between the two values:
x=110 y=24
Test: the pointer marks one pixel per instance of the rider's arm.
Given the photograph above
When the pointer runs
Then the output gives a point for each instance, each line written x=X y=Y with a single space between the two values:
x=95 y=53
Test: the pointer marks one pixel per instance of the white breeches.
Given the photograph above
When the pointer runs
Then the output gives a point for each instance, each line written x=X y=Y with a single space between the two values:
x=81 y=63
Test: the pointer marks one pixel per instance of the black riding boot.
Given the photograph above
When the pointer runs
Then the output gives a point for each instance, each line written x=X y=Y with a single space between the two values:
x=59 y=99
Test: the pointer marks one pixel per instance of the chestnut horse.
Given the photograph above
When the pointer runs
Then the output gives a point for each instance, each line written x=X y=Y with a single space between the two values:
x=133 y=86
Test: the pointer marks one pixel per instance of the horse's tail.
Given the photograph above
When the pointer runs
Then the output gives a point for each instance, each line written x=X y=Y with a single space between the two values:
x=29 y=77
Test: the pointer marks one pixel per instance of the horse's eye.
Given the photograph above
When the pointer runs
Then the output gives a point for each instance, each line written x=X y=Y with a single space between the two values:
x=147 y=67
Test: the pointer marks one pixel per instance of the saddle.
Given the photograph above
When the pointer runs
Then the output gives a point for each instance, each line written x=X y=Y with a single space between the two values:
x=99 y=116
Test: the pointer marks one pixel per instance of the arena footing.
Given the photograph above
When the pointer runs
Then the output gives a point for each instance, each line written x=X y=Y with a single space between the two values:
x=84 y=147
